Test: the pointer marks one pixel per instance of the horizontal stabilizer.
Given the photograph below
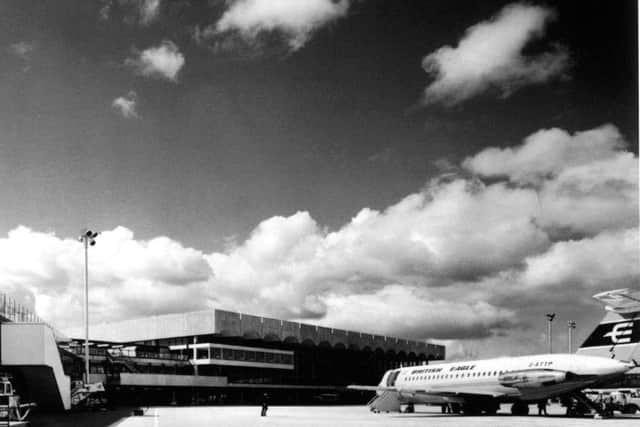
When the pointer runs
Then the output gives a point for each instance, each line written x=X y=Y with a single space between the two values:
x=621 y=301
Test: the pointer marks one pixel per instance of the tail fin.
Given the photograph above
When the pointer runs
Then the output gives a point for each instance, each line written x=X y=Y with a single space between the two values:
x=618 y=334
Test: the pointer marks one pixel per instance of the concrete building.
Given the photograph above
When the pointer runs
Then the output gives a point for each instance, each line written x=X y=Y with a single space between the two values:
x=213 y=356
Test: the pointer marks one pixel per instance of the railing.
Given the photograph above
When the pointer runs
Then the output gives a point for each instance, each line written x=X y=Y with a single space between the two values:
x=137 y=354
x=127 y=353
x=15 y=312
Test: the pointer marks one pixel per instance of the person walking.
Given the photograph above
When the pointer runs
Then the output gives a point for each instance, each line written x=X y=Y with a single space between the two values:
x=265 y=405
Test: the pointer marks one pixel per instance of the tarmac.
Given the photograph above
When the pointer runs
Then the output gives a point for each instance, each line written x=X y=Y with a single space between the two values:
x=332 y=416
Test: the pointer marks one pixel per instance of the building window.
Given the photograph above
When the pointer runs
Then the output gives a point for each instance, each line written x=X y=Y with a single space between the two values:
x=202 y=353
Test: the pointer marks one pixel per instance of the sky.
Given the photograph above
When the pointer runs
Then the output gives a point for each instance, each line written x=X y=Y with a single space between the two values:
x=442 y=170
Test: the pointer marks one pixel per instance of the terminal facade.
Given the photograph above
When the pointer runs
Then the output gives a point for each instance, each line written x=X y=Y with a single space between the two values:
x=218 y=357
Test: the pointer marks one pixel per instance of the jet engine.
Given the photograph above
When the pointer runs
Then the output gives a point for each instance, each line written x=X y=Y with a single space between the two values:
x=532 y=378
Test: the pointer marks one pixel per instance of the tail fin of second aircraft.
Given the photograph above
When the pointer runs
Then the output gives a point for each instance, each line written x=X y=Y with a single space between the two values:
x=618 y=334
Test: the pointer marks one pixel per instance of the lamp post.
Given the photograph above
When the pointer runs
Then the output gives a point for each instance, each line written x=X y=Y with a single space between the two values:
x=88 y=239
x=571 y=325
x=550 y=317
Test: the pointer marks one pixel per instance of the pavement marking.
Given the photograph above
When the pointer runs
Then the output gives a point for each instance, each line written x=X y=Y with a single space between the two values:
x=156 y=421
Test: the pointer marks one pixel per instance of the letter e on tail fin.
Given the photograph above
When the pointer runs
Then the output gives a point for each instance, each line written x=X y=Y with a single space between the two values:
x=618 y=334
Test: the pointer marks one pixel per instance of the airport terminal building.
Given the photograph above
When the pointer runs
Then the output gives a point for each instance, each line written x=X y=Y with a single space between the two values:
x=212 y=356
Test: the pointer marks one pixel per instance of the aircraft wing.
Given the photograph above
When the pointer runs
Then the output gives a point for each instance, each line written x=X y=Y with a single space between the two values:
x=371 y=388
x=457 y=392
x=467 y=392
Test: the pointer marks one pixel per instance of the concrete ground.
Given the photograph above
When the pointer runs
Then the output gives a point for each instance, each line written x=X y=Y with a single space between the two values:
x=334 y=416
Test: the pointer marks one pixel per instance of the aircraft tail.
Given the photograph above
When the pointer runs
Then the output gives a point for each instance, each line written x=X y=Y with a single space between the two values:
x=618 y=334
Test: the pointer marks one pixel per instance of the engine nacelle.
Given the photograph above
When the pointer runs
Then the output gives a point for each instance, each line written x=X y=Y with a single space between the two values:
x=532 y=378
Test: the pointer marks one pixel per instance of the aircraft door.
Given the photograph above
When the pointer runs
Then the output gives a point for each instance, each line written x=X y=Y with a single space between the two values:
x=393 y=376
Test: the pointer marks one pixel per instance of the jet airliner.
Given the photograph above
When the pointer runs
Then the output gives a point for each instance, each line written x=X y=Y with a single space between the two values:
x=479 y=387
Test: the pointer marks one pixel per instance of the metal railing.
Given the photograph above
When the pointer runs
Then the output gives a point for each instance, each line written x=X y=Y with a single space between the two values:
x=15 y=312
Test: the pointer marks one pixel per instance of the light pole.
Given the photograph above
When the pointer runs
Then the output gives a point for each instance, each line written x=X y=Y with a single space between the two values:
x=571 y=325
x=550 y=317
x=88 y=239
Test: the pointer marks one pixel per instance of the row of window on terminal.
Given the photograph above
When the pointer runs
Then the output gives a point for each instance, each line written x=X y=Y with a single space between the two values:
x=452 y=376
x=244 y=355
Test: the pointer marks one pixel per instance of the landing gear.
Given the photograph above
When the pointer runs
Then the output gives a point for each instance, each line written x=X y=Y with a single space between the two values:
x=491 y=408
x=455 y=408
x=520 y=408
x=471 y=409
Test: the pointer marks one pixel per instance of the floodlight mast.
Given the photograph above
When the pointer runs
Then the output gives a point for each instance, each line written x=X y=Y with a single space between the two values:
x=88 y=239
x=550 y=317
x=571 y=326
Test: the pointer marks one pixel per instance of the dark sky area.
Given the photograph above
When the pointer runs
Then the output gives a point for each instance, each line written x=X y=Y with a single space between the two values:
x=245 y=135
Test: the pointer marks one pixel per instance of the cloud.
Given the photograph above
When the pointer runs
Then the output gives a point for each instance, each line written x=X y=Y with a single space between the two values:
x=149 y=10
x=608 y=260
x=585 y=183
x=295 y=20
x=128 y=277
x=404 y=310
x=143 y=12
x=490 y=55
x=546 y=153
x=126 y=105
x=163 y=61
x=461 y=259
x=22 y=49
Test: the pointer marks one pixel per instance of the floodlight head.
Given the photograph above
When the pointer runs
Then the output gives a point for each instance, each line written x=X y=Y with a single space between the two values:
x=93 y=243
x=89 y=233
x=94 y=234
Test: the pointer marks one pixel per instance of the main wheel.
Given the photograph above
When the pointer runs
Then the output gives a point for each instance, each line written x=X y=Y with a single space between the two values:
x=520 y=408
x=491 y=409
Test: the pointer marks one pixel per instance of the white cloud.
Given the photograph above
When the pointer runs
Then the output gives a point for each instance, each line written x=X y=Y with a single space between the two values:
x=410 y=311
x=546 y=153
x=126 y=105
x=163 y=61
x=610 y=259
x=296 y=20
x=491 y=55
x=460 y=259
x=128 y=277
x=149 y=10
x=585 y=182
x=22 y=49
x=134 y=11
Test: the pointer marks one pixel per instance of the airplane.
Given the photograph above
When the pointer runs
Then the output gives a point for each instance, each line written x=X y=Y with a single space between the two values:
x=479 y=387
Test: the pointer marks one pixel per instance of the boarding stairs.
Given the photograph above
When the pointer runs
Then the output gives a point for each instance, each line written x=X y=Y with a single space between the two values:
x=388 y=401
x=81 y=392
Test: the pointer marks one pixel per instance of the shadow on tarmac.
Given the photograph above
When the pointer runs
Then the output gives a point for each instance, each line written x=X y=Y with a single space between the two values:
x=470 y=417
x=80 y=419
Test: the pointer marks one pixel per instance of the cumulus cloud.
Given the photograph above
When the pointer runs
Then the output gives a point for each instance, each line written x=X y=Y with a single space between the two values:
x=126 y=105
x=163 y=61
x=460 y=259
x=128 y=276
x=490 y=55
x=22 y=49
x=295 y=20
x=586 y=182
x=143 y=12
x=546 y=153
